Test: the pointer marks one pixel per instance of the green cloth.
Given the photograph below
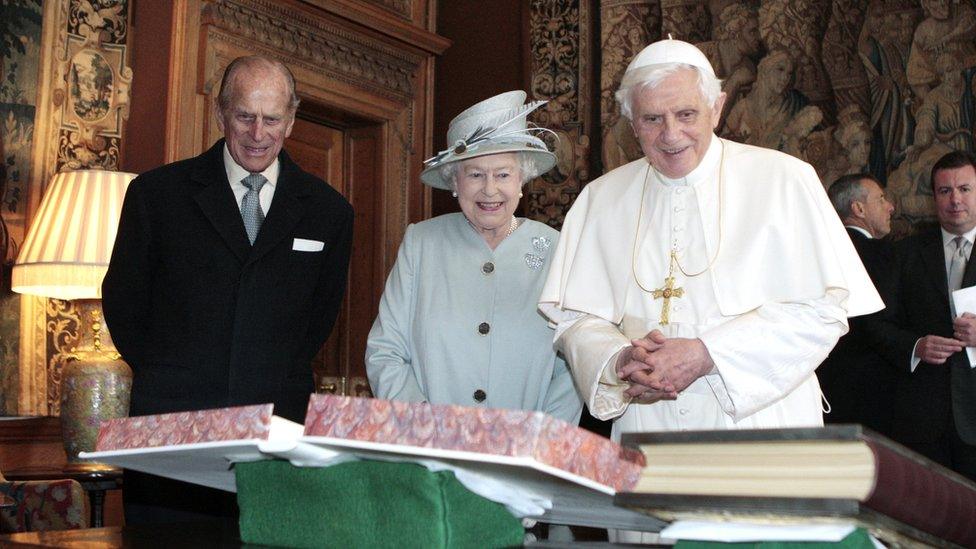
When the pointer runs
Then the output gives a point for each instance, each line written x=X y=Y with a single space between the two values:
x=366 y=504
x=858 y=539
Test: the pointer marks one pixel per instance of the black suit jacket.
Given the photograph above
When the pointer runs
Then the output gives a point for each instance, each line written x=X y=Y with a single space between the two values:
x=854 y=377
x=203 y=318
x=925 y=402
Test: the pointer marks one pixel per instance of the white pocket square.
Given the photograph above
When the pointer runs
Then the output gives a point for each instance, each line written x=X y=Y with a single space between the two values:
x=303 y=245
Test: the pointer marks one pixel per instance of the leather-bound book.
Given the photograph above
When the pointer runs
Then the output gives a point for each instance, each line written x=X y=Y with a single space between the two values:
x=838 y=472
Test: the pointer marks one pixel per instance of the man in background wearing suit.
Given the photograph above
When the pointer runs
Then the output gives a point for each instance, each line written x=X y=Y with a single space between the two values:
x=854 y=378
x=226 y=277
x=933 y=405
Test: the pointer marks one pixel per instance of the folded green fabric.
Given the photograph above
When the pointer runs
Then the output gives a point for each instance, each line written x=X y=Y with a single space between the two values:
x=366 y=504
x=858 y=539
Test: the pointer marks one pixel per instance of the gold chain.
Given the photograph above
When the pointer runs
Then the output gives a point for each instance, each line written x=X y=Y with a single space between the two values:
x=674 y=257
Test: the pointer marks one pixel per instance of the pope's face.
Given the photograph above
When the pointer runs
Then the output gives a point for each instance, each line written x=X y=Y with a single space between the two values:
x=257 y=118
x=674 y=124
x=955 y=199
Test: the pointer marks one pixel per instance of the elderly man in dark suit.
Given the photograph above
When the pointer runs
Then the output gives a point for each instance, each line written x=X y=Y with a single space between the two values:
x=854 y=378
x=933 y=405
x=226 y=277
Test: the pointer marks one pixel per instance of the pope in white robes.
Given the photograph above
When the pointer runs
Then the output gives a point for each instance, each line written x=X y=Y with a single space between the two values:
x=700 y=286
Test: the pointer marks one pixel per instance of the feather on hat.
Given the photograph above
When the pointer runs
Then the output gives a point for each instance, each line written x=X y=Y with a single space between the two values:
x=493 y=126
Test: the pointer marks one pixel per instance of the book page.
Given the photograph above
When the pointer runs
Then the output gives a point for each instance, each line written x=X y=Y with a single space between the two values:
x=802 y=469
x=964 y=301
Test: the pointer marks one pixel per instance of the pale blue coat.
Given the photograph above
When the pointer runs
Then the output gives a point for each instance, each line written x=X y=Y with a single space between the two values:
x=425 y=344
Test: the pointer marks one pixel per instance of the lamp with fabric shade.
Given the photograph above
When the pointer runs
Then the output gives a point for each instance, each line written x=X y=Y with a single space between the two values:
x=65 y=256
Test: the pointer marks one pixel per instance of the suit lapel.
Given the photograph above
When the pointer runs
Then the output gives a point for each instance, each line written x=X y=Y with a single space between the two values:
x=969 y=276
x=934 y=257
x=287 y=208
x=217 y=202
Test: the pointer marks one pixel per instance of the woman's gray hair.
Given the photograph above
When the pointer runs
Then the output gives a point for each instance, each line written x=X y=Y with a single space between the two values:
x=528 y=169
x=709 y=86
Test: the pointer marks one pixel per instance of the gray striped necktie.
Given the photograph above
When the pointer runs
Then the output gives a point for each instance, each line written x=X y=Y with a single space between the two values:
x=251 y=205
x=957 y=265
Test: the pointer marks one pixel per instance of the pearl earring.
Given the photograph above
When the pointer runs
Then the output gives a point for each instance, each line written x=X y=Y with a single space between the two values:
x=454 y=194
x=520 y=195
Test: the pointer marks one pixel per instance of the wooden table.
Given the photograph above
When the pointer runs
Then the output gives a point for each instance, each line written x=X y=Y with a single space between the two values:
x=223 y=534
x=95 y=482
x=197 y=534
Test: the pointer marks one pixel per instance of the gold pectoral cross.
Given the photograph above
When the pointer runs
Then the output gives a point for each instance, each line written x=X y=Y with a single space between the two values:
x=667 y=292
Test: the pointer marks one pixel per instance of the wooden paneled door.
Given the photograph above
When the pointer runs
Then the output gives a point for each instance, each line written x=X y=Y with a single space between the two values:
x=345 y=152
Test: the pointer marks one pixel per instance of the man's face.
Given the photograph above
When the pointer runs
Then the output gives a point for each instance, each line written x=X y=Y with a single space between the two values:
x=877 y=209
x=674 y=124
x=749 y=40
x=955 y=199
x=257 y=119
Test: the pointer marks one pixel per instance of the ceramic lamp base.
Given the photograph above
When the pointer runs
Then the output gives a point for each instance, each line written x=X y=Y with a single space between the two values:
x=91 y=391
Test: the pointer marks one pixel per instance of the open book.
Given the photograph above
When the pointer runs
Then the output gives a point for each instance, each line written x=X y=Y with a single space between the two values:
x=577 y=472
x=836 y=471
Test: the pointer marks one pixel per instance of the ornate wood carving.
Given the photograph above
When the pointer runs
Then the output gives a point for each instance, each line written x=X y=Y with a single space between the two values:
x=627 y=26
x=91 y=89
x=685 y=20
x=560 y=73
x=315 y=42
x=63 y=322
x=400 y=7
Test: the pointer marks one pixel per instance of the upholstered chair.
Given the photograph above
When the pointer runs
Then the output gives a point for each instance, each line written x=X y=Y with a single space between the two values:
x=30 y=506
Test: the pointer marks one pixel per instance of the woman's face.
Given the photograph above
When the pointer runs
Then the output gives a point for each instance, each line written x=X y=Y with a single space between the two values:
x=488 y=189
x=777 y=74
x=937 y=9
x=857 y=142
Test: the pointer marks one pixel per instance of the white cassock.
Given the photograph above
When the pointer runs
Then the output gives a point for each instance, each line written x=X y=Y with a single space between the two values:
x=778 y=279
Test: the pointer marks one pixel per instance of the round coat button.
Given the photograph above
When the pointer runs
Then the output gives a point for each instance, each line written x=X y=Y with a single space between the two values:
x=480 y=396
x=484 y=328
x=488 y=268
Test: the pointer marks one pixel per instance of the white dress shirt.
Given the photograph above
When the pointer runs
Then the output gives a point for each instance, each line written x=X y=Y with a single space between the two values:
x=235 y=173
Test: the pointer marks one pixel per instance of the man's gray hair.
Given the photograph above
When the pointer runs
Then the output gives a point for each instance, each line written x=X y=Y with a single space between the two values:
x=252 y=62
x=528 y=168
x=846 y=190
x=709 y=86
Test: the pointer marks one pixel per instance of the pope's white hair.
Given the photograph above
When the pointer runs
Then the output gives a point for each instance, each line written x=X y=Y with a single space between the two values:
x=528 y=168
x=709 y=86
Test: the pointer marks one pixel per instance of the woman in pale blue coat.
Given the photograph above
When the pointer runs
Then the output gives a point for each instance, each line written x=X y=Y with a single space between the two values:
x=458 y=322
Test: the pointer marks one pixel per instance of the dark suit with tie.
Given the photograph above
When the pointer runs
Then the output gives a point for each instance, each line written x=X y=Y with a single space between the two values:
x=204 y=318
x=855 y=378
x=933 y=409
